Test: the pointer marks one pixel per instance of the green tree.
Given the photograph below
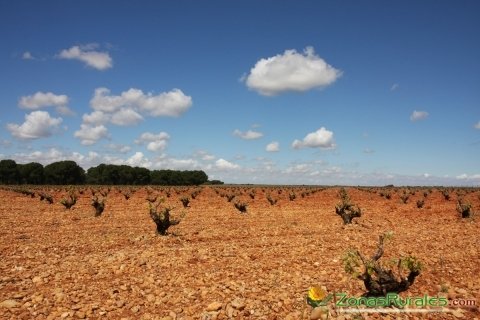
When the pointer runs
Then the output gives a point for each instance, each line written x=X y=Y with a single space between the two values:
x=9 y=173
x=64 y=172
x=31 y=173
x=142 y=176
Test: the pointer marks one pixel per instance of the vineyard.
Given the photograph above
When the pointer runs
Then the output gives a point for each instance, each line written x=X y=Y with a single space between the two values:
x=228 y=252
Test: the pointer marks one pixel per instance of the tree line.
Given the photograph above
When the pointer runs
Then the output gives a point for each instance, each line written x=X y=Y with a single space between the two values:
x=68 y=172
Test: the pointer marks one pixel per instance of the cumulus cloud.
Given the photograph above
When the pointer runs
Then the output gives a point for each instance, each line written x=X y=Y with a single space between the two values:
x=223 y=164
x=322 y=138
x=41 y=100
x=172 y=104
x=89 y=135
x=129 y=108
x=155 y=142
x=248 y=135
x=126 y=117
x=273 y=147
x=477 y=125
x=291 y=71
x=87 y=54
x=96 y=118
x=138 y=160
x=418 y=115
x=38 y=124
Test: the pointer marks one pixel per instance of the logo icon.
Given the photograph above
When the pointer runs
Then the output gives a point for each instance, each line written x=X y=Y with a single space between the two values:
x=317 y=297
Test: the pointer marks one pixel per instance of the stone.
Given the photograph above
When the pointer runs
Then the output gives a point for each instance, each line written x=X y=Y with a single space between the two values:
x=238 y=304
x=37 y=280
x=9 y=303
x=458 y=313
x=214 y=306
x=135 y=309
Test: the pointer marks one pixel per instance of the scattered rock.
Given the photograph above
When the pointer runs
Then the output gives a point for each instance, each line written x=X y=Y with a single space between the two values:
x=10 y=303
x=238 y=304
x=214 y=306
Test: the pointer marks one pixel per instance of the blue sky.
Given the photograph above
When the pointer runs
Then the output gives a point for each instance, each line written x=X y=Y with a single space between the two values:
x=287 y=92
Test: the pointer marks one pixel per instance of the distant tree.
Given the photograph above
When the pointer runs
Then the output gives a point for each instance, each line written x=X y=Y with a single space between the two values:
x=162 y=177
x=94 y=174
x=126 y=175
x=31 y=173
x=197 y=177
x=142 y=176
x=9 y=173
x=64 y=172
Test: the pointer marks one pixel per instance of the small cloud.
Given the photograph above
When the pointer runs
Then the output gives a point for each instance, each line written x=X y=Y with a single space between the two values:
x=155 y=142
x=27 y=56
x=273 y=147
x=368 y=151
x=322 y=138
x=223 y=164
x=38 y=124
x=248 y=135
x=394 y=87
x=41 y=100
x=172 y=104
x=291 y=71
x=477 y=125
x=87 y=54
x=89 y=135
x=418 y=115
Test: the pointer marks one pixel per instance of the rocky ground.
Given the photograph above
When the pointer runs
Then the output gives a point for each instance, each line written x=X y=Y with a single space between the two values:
x=221 y=264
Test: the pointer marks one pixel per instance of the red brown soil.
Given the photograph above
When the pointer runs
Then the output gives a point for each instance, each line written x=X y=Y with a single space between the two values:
x=218 y=263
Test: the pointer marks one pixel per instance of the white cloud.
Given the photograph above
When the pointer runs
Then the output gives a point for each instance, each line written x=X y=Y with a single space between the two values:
x=291 y=71
x=89 y=135
x=155 y=142
x=87 y=54
x=27 y=56
x=126 y=117
x=477 y=125
x=368 y=151
x=322 y=138
x=173 y=103
x=96 y=118
x=418 y=115
x=273 y=147
x=248 y=135
x=223 y=164
x=38 y=124
x=45 y=99
x=138 y=160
